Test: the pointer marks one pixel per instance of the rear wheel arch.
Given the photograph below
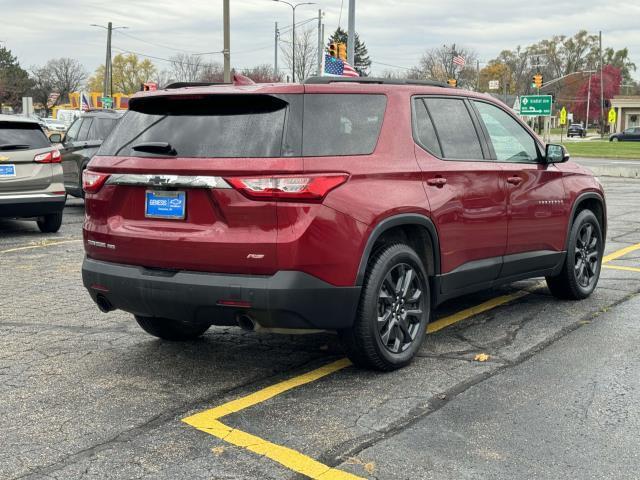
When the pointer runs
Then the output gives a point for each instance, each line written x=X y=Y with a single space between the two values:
x=415 y=230
x=588 y=201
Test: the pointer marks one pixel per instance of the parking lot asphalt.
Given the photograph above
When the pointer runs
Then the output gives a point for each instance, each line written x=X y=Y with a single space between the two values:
x=510 y=383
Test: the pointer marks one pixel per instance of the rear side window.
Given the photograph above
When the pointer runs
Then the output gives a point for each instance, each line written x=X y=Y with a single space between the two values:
x=339 y=124
x=424 y=128
x=22 y=136
x=101 y=127
x=232 y=126
x=454 y=127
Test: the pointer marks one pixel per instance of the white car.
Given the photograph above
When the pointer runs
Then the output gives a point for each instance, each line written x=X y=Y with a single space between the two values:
x=54 y=125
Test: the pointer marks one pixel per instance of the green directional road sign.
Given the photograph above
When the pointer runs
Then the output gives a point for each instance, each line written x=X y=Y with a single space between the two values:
x=535 y=105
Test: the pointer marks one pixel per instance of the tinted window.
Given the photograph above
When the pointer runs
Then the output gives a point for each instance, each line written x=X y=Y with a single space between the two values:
x=425 y=131
x=72 y=133
x=84 y=129
x=22 y=133
x=453 y=124
x=511 y=142
x=336 y=124
x=100 y=128
x=209 y=126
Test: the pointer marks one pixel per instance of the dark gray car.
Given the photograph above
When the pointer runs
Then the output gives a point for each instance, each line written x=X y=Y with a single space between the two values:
x=80 y=144
x=629 y=135
x=30 y=174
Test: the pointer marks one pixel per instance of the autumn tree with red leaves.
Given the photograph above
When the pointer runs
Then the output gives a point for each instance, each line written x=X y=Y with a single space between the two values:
x=612 y=80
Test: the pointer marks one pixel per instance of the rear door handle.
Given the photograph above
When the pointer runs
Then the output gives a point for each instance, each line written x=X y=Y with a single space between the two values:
x=437 y=182
x=514 y=180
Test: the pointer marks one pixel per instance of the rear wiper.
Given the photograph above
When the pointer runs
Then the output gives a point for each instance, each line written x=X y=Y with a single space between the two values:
x=161 y=148
x=14 y=146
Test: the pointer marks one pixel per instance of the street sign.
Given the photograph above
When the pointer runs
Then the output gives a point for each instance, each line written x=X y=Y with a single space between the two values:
x=494 y=84
x=563 y=116
x=613 y=116
x=535 y=105
x=107 y=102
x=516 y=105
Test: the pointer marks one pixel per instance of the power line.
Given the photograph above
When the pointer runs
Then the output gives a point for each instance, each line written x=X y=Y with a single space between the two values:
x=156 y=44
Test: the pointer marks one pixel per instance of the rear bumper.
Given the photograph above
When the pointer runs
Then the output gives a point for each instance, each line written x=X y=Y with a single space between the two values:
x=288 y=299
x=31 y=205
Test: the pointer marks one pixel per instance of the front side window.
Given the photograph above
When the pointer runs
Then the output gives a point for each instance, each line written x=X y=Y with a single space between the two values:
x=100 y=128
x=72 y=133
x=511 y=142
x=341 y=124
x=84 y=129
x=454 y=127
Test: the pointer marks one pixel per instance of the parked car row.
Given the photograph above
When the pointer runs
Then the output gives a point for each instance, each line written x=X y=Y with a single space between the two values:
x=38 y=171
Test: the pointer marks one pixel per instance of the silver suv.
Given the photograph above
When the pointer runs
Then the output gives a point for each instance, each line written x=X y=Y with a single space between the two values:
x=31 y=180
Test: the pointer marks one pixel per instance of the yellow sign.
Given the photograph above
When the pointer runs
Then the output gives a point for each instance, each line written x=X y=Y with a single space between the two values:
x=563 y=116
x=2 y=159
x=613 y=116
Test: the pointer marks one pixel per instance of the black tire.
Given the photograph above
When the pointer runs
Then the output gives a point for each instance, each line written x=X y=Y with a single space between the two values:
x=372 y=341
x=172 y=330
x=50 y=223
x=581 y=270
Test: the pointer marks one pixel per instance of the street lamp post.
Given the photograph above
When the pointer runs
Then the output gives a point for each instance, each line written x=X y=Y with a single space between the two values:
x=107 y=86
x=293 y=39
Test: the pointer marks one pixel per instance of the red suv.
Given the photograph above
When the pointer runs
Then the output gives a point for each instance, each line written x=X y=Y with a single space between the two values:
x=354 y=205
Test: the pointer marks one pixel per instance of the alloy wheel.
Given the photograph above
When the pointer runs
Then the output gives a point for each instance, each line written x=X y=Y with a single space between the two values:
x=586 y=256
x=400 y=308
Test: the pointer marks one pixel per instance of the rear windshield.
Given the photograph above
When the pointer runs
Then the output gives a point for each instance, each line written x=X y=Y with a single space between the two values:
x=22 y=136
x=258 y=126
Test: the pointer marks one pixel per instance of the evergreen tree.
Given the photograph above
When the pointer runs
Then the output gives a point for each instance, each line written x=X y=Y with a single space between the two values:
x=361 y=57
x=14 y=81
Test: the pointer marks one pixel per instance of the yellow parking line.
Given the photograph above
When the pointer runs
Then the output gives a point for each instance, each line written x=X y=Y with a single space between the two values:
x=209 y=422
x=620 y=253
x=470 y=312
x=39 y=245
x=619 y=267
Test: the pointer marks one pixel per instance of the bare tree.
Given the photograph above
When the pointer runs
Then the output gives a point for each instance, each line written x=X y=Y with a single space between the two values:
x=306 y=53
x=186 y=68
x=438 y=64
x=41 y=86
x=66 y=74
x=262 y=74
x=212 y=72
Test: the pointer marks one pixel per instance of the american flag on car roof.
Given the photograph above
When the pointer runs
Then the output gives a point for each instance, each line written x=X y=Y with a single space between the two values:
x=336 y=66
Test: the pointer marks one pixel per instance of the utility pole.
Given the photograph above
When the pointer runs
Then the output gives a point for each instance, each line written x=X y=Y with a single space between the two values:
x=275 y=54
x=108 y=77
x=319 y=70
x=293 y=39
x=586 y=126
x=351 y=39
x=601 y=90
x=477 y=75
x=227 y=42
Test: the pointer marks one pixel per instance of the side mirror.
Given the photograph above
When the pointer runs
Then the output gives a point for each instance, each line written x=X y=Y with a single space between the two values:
x=556 y=153
x=55 y=138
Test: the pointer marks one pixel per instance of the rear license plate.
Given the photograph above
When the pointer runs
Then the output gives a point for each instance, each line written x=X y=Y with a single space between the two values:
x=7 y=170
x=161 y=204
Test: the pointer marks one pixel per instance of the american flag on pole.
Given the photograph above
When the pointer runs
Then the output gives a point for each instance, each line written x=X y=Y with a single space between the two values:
x=85 y=106
x=459 y=60
x=338 y=67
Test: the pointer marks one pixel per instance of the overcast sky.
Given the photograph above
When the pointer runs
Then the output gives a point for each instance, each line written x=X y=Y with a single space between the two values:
x=396 y=32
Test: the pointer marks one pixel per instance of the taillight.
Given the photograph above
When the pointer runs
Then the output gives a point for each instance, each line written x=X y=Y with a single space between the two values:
x=307 y=188
x=93 y=181
x=50 y=157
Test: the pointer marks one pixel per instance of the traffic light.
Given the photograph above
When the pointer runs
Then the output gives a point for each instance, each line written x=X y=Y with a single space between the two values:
x=452 y=82
x=333 y=49
x=342 y=51
x=537 y=80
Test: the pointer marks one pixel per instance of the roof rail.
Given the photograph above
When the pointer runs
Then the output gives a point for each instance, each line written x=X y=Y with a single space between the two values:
x=375 y=80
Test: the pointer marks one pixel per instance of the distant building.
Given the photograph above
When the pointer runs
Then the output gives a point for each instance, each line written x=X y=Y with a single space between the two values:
x=628 y=110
